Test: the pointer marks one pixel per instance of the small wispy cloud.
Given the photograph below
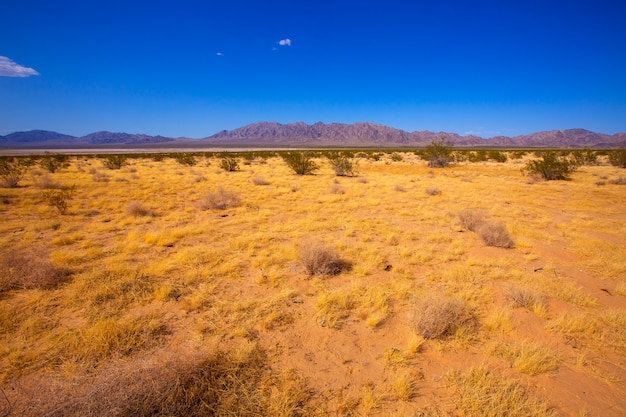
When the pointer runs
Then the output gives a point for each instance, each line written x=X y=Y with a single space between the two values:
x=219 y=54
x=285 y=42
x=8 y=68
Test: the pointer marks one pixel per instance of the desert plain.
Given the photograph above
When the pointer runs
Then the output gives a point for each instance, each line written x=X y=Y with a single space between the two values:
x=168 y=288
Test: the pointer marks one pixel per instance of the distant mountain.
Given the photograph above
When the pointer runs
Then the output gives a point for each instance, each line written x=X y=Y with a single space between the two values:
x=36 y=136
x=100 y=138
x=42 y=138
x=271 y=134
x=368 y=134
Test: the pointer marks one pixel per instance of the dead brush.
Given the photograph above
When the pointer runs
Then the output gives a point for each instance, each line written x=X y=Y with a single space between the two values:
x=524 y=297
x=438 y=317
x=495 y=234
x=471 y=219
x=234 y=383
x=45 y=182
x=137 y=209
x=29 y=269
x=320 y=259
x=220 y=199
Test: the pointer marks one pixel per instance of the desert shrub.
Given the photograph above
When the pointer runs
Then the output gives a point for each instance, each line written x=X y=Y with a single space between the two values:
x=432 y=191
x=59 y=199
x=320 y=259
x=301 y=163
x=524 y=297
x=497 y=156
x=185 y=159
x=114 y=161
x=618 y=181
x=396 y=157
x=336 y=188
x=617 y=157
x=137 y=209
x=495 y=234
x=235 y=382
x=585 y=157
x=477 y=156
x=437 y=317
x=342 y=165
x=229 y=164
x=29 y=269
x=12 y=170
x=220 y=199
x=260 y=181
x=100 y=177
x=45 y=182
x=551 y=167
x=438 y=153
x=52 y=162
x=399 y=187
x=471 y=219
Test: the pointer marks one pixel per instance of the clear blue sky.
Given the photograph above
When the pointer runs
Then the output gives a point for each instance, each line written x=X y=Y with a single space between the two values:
x=193 y=68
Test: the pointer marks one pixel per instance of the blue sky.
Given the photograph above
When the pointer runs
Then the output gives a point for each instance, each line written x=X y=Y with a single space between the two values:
x=193 y=68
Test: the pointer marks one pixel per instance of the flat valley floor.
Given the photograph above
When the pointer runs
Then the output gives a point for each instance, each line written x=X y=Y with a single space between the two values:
x=183 y=290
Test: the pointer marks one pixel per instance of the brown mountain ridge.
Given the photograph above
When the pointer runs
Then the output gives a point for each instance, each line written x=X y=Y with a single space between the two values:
x=272 y=134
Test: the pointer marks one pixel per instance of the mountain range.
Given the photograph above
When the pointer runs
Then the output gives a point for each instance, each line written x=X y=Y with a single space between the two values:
x=271 y=134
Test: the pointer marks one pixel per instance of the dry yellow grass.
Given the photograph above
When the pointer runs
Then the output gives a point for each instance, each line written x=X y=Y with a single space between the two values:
x=155 y=259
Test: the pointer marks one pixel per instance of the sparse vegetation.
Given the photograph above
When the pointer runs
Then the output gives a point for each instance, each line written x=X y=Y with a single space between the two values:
x=139 y=303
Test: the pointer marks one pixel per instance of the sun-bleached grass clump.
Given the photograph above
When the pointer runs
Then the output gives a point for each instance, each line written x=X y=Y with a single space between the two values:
x=432 y=191
x=321 y=259
x=437 y=317
x=220 y=199
x=481 y=392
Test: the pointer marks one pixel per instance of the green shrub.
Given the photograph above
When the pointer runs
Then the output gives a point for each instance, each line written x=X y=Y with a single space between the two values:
x=438 y=153
x=396 y=157
x=342 y=165
x=59 y=199
x=114 y=161
x=12 y=170
x=52 y=162
x=497 y=156
x=185 y=159
x=551 y=167
x=617 y=158
x=229 y=164
x=477 y=156
x=300 y=162
x=584 y=157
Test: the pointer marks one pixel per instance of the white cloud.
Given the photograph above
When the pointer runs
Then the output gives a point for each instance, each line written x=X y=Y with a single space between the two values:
x=8 y=68
x=220 y=54
x=284 y=42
